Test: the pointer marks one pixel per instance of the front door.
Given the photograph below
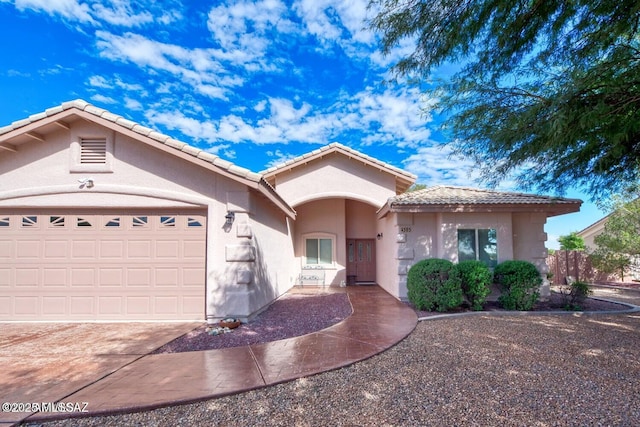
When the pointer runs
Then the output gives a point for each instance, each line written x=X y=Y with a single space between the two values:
x=361 y=264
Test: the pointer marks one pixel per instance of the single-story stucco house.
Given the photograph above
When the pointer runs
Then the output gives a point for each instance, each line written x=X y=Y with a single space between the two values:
x=103 y=219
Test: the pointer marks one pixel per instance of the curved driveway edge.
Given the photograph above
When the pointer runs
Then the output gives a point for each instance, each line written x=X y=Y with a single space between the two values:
x=378 y=322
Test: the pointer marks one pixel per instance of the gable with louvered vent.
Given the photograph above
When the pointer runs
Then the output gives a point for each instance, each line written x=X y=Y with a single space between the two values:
x=93 y=151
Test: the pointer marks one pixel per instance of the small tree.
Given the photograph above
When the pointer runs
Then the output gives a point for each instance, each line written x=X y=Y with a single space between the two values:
x=619 y=244
x=571 y=242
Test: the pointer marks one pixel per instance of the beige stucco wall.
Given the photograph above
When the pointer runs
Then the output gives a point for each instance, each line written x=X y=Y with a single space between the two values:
x=323 y=219
x=40 y=174
x=419 y=236
x=335 y=175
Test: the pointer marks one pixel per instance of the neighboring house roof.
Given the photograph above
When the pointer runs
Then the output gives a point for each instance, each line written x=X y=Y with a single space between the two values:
x=29 y=129
x=595 y=228
x=404 y=179
x=444 y=198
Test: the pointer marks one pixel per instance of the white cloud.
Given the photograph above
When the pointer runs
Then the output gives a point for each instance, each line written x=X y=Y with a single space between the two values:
x=120 y=12
x=103 y=99
x=74 y=10
x=434 y=164
x=246 y=27
x=100 y=12
x=198 y=68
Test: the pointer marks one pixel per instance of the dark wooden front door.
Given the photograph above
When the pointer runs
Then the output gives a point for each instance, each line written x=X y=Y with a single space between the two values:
x=361 y=260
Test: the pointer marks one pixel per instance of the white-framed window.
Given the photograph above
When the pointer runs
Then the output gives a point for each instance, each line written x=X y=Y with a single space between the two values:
x=319 y=249
x=479 y=244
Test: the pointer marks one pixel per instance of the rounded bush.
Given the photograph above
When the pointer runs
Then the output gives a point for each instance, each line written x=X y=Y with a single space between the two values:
x=434 y=284
x=519 y=282
x=476 y=282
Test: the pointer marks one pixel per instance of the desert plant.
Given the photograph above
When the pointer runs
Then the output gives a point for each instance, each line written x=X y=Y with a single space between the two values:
x=574 y=295
x=519 y=282
x=434 y=284
x=476 y=282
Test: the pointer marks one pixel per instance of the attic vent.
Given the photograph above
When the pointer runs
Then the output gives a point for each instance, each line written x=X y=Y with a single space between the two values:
x=93 y=151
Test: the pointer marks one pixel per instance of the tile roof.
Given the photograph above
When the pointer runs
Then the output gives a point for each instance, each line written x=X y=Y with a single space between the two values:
x=336 y=146
x=450 y=195
x=142 y=130
x=224 y=165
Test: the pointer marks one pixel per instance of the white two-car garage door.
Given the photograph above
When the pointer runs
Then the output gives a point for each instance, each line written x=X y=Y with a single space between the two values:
x=102 y=265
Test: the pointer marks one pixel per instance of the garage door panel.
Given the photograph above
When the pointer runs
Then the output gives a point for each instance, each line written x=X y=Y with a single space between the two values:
x=56 y=249
x=167 y=277
x=6 y=277
x=79 y=266
x=112 y=277
x=26 y=306
x=167 y=249
x=28 y=249
x=27 y=277
x=139 y=305
x=81 y=306
x=139 y=277
x=167 y=305
x=6 y=249
x=54 y=306
x=55 y=277
x=83 y=277
x=140 y=249
x=110 y=305
x=83 y=249
x=112 y=249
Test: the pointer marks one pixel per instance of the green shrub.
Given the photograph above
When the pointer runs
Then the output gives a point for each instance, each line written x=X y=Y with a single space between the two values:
x=434 y=284
x=519 y=282
x=476 y=282
x=574 y=295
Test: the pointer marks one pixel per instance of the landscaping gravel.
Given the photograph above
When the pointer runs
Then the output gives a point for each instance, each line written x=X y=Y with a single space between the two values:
x=481 y=370
x=290 y=316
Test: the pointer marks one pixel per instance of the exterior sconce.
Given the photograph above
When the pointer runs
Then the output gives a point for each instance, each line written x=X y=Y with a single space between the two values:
x=379 y=236
x=229 y=218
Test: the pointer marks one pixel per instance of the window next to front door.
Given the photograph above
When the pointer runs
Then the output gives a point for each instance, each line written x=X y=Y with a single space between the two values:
x=318 y=251
x=479 y=244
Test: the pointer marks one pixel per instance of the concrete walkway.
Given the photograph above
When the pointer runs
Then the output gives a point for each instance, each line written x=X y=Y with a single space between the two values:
x=378 y=322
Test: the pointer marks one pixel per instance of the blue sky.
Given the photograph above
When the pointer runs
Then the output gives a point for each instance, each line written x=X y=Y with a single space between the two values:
x=253 y=82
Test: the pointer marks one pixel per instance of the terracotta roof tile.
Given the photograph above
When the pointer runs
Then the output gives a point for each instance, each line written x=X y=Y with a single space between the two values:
x=335 y=146
x=135 y=127
x=450 y=195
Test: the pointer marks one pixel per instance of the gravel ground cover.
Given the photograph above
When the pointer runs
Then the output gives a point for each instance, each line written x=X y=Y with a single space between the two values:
x=483 y=370
x=290 y=316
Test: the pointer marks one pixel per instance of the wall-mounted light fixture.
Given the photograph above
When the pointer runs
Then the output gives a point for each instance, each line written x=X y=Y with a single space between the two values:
x=229 y=218
x=86 y=182
x=379 y=236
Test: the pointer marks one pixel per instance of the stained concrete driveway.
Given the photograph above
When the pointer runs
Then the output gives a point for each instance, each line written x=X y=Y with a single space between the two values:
x=47 y=362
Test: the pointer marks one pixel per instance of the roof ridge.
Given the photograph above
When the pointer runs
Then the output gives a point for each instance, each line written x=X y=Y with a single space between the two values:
x=333 y=146
x=119 y=120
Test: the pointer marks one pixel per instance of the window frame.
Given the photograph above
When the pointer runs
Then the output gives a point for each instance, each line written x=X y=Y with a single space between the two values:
x=491 y=263
x=319 y=237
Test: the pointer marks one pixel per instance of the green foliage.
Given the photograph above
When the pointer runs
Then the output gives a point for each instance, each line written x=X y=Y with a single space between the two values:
x=416 y=187
x=574 y=295
x=619 y=242
x=545 y=90
x=476 y=282
x=519 y=282
x=571 y=242
x=434 y=284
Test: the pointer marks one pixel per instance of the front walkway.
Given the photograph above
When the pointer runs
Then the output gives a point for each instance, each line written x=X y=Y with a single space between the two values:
x=378 y=322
